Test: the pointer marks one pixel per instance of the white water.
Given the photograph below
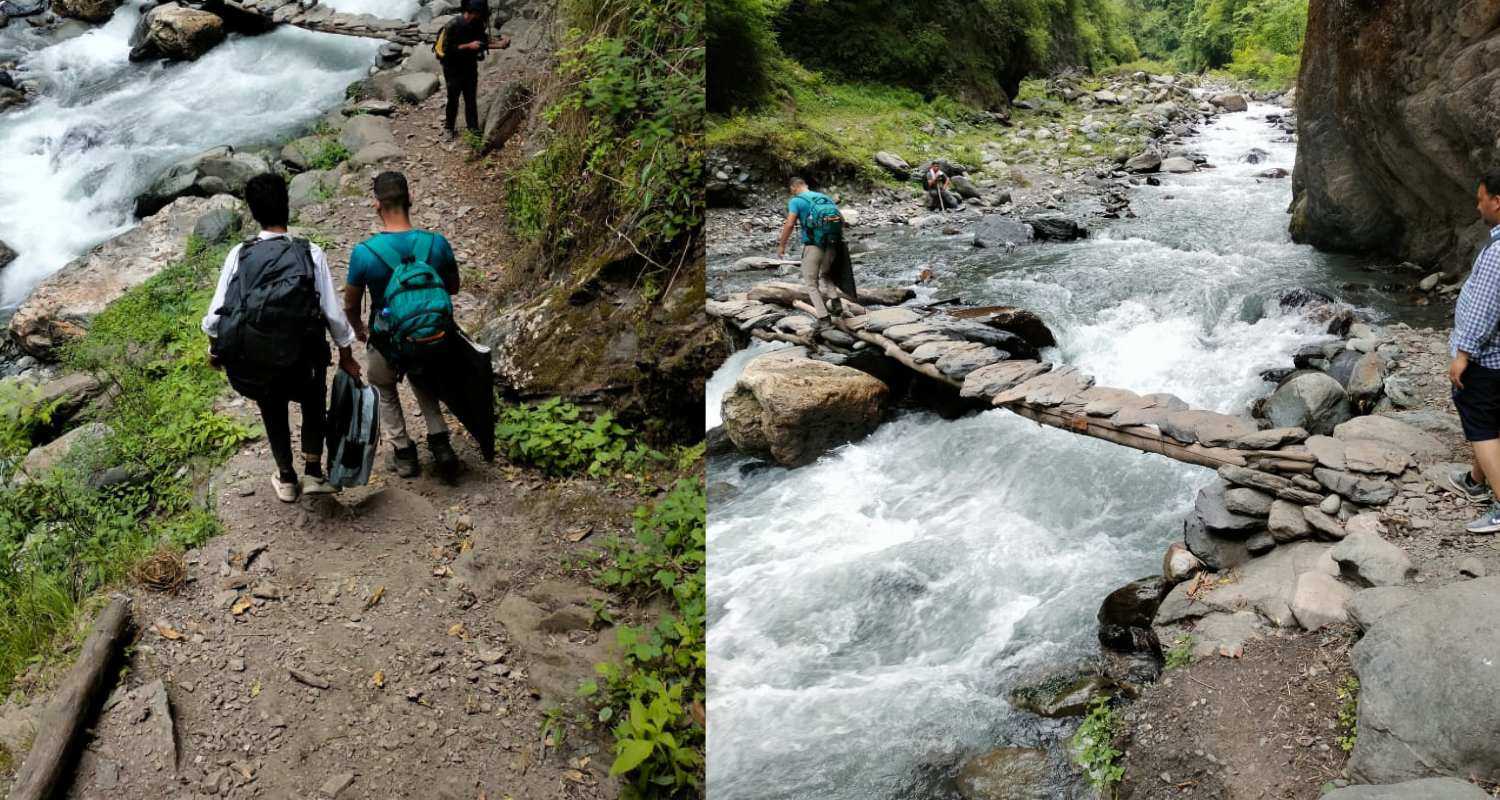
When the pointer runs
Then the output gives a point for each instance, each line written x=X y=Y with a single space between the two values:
x=103 y=128
x=868 y=612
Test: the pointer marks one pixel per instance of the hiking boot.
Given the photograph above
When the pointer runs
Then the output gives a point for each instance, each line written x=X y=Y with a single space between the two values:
x=316 y=484
x=404 y=461
x=449 y=134
x=1462 y=481
x=444 y=460
x=1489 y=522
x=286 y=491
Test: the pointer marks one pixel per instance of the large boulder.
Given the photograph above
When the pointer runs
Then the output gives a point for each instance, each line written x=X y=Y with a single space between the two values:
x=1230 y=102
x=60 y=307
x=1389 y=145
x=416 y=87
x=1424 y=789
x=792 y=409
x=217 y=171
x=86 y=10
x=176 y=33
x=7 y=255
x=504 y=113
x=44 y=459
x=1428 y=675
x=362 y=131
x=1312 y=401
x=1055 y=228
x=893 y=164
x=1369 y=560
x=1125 y=616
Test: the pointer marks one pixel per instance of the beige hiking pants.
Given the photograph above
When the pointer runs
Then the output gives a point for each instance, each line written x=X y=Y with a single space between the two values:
x=817 y=275
x=392 y=420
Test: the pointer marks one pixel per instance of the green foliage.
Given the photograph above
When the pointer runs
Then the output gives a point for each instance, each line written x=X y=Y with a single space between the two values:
x=1180 y=654
x=1094 y=750
x=474 y=141
x=331 y=153
x=63 y=536
x=1348 y=713
x=976 y=51
x=742 y=53
x=22 y=414
x=1255 y=40
x=555 y=437
x=625 y=161
x=655 y=696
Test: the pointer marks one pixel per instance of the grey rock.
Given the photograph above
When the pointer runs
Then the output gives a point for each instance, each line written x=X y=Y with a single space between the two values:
x=416 y=87
x=792 y=409
x=377 y=153
x=893 y=164
x=1286 y=522
x=1271 y=439
x=1178 y=164
x=1261 y=543
x=1427 y=679
x=1325 y=527
x=1331 y=504
x=310 y=187
x=7 y=255
x=1309 y=400
x=1009 y=773
x=1369 y=560
x=1423 y=789
x=1248 y=501
x=1319 y=600
x=1217 y=519
x=1392 y=431
x=1358 y=488
x=1370 y=456
x=1329 y=451
x=991 y=380
x=218 y=225
x=363 y=131
x=1216 y=552
x=1367 y=380
x=1368 y=606
x=1208 y=428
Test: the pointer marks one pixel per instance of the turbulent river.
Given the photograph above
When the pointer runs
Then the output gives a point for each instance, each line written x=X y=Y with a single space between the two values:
x=868 y=613
x=102 y=128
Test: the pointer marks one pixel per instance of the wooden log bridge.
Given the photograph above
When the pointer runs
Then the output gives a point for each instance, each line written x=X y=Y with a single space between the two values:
x=991 y=357
x=313 y=16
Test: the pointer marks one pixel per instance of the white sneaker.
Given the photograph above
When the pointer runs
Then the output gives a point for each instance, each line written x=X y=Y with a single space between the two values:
x=312 y=484
x=285 y=492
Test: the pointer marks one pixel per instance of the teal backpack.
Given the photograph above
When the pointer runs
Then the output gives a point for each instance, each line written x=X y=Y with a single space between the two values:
x=824 y=224
x=418 y=311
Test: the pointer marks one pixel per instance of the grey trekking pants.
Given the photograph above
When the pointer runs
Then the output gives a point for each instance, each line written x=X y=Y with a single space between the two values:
x=817 y=275
x=392 y=420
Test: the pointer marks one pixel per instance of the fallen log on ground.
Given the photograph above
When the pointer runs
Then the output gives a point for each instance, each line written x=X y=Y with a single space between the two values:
x=48 y=762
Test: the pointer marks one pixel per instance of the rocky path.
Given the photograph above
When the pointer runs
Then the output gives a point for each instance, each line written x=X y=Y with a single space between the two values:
x=1408 y=642
x=404 y=639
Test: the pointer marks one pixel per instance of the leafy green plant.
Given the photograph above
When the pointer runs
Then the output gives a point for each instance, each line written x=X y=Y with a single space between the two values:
x=654 y=697
x=473 y=140
x=624 y=163
x=1348 y=693
x=69 y=533
x=555 y=436
x=22 y=413
x=331 y=153
x=1094 y=750
x=1180 y=654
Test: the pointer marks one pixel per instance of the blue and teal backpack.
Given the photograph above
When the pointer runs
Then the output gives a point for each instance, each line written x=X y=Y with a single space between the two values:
x=418 y=311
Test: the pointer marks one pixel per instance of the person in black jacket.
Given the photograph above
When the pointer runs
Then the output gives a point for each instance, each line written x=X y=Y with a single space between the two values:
x=461 y=46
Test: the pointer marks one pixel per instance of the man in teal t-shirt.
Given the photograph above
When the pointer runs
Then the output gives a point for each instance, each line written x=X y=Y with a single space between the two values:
x=820 y=242
x=368 y=271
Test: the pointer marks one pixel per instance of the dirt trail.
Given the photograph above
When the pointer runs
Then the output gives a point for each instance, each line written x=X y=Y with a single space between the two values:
x=407 y=636
x=401 y=640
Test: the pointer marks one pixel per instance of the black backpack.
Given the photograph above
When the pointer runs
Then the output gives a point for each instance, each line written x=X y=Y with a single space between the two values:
x=271 y=324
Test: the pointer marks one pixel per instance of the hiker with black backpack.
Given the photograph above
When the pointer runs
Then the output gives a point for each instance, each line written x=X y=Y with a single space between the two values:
x=267 y=321
x=460 y=46
x=410 y=275
x=822 y=235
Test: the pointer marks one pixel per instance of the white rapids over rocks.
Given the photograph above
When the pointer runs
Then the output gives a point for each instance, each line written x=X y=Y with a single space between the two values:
x=102 y=128
x=868 y=612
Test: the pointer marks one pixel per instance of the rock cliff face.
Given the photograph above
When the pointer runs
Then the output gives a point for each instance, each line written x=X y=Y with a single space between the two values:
x=1398 y=118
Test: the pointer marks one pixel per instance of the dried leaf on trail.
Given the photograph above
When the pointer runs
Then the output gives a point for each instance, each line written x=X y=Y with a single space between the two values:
x=168 y=632
x=378 y=679
x=241 y=605
x=375 y=597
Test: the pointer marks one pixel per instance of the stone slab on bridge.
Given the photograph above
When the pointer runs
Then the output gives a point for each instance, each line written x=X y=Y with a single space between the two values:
x=311 y=15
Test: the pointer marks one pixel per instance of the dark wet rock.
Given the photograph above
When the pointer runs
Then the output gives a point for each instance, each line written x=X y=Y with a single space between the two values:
x=1055 y=228
x=7 y=255
x=1358 y=488
x=1216 y=552
x=1066 y=694
x=1302 y=297
x=218 y=225
x=220 y=170
x=1275 y=173
x=1009 y=773
x=1211 y=510
x=86 y=10
x=1255 y=156
x=1125 y=616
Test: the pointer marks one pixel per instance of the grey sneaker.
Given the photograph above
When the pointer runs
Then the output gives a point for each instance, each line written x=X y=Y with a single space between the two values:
x=1489 y=522
x=1462 y=481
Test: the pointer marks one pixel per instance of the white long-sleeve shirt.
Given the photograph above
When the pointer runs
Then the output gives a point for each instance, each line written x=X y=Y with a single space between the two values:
x=328 y=299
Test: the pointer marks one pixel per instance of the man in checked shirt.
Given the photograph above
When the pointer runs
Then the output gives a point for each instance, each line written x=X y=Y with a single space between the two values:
x=1475 y=371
